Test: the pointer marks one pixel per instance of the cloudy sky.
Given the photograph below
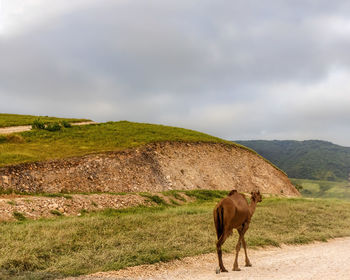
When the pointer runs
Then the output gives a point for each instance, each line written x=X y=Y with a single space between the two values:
x=235 y=69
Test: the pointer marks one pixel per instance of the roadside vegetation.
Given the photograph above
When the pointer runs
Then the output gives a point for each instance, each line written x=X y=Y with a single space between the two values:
x=40 y=144
x=323 y=189
x=114 y=239
x=16 y=120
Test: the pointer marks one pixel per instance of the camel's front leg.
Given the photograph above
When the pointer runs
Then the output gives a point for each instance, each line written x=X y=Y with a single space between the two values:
x=245 y=228
x=247 y=261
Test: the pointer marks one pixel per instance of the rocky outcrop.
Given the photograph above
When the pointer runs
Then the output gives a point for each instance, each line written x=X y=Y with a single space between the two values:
x=35 y=207
x=155 y=167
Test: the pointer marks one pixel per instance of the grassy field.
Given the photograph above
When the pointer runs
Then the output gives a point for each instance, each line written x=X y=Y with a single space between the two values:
x=112 y=239
x=324 y=189
x=15 y=120
x=37 y=145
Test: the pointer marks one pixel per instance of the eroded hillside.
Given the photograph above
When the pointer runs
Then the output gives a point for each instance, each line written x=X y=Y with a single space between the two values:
x=153 y=168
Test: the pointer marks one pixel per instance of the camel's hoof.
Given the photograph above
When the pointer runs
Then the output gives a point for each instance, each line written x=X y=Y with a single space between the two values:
x=236 y=269
x=223 y=270
x=248 y=264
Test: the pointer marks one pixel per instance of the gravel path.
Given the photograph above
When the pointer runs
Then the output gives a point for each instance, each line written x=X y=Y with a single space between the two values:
x=329 y=261
x=15 y=129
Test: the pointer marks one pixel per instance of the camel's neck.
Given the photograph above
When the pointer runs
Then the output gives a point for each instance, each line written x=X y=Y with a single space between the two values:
x=252 y=207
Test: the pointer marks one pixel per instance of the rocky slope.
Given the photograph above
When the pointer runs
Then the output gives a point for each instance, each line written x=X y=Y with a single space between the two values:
x=152 y=168
x=35 y=207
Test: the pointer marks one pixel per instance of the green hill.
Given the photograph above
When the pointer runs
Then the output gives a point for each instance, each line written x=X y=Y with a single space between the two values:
x=42 y=144
x=312 y=159
x=39 y=144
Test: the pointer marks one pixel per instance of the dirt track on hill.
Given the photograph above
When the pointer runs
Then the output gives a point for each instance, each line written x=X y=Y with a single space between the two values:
x=15 y=129
x=22 y=128
x=329 y=261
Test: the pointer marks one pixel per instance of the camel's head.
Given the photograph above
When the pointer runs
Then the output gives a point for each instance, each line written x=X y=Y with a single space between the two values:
x=256 y=196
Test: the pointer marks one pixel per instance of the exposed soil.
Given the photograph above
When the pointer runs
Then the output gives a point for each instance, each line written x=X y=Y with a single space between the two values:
x=15 y=129
x=152 y=168
x=312 y=262
x=35 y=207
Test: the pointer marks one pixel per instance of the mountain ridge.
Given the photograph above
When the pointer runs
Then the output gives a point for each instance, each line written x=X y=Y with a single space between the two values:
x=308 y=159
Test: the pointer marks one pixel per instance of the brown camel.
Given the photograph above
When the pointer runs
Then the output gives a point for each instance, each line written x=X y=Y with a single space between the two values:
x=232 y=212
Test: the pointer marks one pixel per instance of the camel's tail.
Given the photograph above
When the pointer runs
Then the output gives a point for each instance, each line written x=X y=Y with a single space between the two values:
x=219 y=223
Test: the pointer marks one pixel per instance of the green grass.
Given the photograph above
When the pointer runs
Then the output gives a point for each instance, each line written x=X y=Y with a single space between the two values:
x=19 y=216
x=206 y=195
x=39 y=145
x=56 y=212
x=324 y=189
x=114 y=239
x=154 y=198
x=175 y=194
x=16 y=120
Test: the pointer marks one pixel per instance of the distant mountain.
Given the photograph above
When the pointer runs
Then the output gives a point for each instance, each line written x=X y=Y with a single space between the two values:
x=312 y=159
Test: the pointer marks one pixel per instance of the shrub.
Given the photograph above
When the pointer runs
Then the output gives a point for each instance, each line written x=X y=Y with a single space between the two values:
x=38 y=124
x=175 y=194
x=306 y=192
x=11 y=138
x=298 y=187
x=179 y=197
x=53 y=126
x=66 y=124
x=56 y=212
x=15 y=138
x=19 y=216
x=174 y=202
x=154 y=198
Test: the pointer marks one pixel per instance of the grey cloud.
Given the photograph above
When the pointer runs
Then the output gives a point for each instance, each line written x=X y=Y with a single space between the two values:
x=203 y=65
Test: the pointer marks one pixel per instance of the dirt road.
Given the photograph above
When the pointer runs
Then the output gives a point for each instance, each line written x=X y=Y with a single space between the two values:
x=16 y=129
x=329 y=261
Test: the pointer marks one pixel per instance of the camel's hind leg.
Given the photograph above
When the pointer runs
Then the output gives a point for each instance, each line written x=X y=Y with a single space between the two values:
x=238 y=247
x=219 y=251
x=241 y=240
